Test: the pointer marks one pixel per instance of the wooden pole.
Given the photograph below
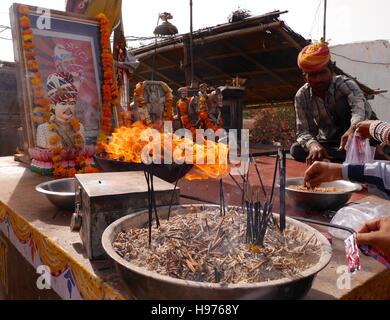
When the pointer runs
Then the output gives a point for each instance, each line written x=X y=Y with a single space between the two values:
x=191 y=46
x=226 y=35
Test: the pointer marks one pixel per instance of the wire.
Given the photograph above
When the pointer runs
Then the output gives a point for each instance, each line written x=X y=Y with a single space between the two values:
x=315 y=18
x=383 y=96
x=4 y=38
x=361 y=61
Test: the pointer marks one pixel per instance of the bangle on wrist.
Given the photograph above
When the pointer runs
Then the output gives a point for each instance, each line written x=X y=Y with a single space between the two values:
x=373 y=127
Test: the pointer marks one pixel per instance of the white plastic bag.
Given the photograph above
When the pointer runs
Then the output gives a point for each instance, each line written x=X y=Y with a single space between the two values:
x=359 y=150
x=355 y=216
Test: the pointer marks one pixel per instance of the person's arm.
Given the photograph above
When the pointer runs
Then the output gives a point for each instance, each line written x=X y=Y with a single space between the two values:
x=376 y=129
x=360 y=109
x=376 y=233
x=376 y=173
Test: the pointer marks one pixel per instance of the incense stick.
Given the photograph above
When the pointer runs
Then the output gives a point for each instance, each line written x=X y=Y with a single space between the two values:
x=153 y=197
x=150 y=211
x=282 y=190
x=173 y=191
x=222 y=198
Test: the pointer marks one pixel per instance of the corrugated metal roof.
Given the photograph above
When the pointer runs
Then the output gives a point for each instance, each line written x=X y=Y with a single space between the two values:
x=261 y=49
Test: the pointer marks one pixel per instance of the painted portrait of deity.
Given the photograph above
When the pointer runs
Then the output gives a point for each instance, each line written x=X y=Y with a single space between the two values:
x=74 y=59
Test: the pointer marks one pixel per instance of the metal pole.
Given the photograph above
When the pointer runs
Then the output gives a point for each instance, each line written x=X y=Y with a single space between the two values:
x=324 y=37
x=155 y=50
x=191 y=54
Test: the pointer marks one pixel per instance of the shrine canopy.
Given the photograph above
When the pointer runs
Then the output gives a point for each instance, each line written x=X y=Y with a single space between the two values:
x=261 y=51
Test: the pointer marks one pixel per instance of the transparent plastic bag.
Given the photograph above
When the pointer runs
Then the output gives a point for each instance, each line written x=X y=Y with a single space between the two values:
x=355 y=216
x=359 y=150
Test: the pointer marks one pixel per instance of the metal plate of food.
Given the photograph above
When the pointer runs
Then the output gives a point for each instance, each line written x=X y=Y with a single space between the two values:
x=327 y=196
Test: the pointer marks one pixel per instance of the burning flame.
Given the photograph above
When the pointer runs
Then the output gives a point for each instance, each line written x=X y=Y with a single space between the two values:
x=140 y=143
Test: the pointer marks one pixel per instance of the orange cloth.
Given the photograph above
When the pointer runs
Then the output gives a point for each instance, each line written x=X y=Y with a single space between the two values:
x=314 y=57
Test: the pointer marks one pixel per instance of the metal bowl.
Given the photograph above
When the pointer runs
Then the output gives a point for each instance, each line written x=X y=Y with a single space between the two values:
x=60 y=192
x=145 y=284
x=321 y=201
x=167 y=172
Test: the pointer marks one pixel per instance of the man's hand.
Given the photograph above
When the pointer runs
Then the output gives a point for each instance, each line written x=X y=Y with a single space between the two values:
x=320 y=172
x=376 y=233
x=345 y=137
x=363 y=128
x=316 y=152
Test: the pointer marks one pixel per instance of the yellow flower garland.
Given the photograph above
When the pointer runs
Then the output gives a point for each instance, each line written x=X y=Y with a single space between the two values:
x=109 y=86
x=41 y=109
x=81 y=166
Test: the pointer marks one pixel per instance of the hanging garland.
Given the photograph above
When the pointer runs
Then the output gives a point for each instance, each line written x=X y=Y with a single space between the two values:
x=109 y=87
x=143 y=108
x=182 y=106
x=41 y=108
x=204 y=115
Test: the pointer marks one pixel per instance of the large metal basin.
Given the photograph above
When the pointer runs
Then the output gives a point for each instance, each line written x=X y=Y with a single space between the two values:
x=321 y=201
x=145 y=284
x=60 y=193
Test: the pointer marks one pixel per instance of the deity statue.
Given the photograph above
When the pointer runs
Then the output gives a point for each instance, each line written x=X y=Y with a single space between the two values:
x=183 y=107
x=153 y=102
x=214 y=106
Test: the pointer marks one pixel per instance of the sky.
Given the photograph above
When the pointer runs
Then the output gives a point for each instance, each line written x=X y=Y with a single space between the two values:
x=347 y=20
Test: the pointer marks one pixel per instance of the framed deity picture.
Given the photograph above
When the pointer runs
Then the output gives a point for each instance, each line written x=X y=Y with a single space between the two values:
x=58 y=56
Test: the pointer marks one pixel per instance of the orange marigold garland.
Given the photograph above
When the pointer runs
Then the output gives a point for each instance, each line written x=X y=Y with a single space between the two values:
x=204 y=115
x=109 y=87
x=80 y=160
x=182 y=106
x=168 y=110
x=41 y=109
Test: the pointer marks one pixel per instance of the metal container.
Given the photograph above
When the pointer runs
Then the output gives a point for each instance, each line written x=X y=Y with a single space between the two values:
x=60 y=192
x=102 y=198
x=144 y=284
x=321 y=201
x=166 y=172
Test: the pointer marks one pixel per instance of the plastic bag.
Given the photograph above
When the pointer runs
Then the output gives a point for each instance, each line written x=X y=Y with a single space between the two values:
x=359 y=150
x=354 y=216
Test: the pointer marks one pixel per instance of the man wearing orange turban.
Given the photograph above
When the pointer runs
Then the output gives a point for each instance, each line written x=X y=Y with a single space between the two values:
x=327 y=107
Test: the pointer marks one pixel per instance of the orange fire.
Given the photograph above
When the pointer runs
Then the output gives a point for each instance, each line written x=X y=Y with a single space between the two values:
x=140 y=143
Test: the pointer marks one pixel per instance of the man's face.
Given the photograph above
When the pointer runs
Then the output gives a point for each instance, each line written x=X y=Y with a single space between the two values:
x=319 y=80
x=65 y=110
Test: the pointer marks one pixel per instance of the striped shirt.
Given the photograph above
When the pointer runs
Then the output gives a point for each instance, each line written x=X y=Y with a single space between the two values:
x=315 y=117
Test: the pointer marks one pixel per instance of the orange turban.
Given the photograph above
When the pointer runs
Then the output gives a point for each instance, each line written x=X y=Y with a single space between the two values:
x=314 y=57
